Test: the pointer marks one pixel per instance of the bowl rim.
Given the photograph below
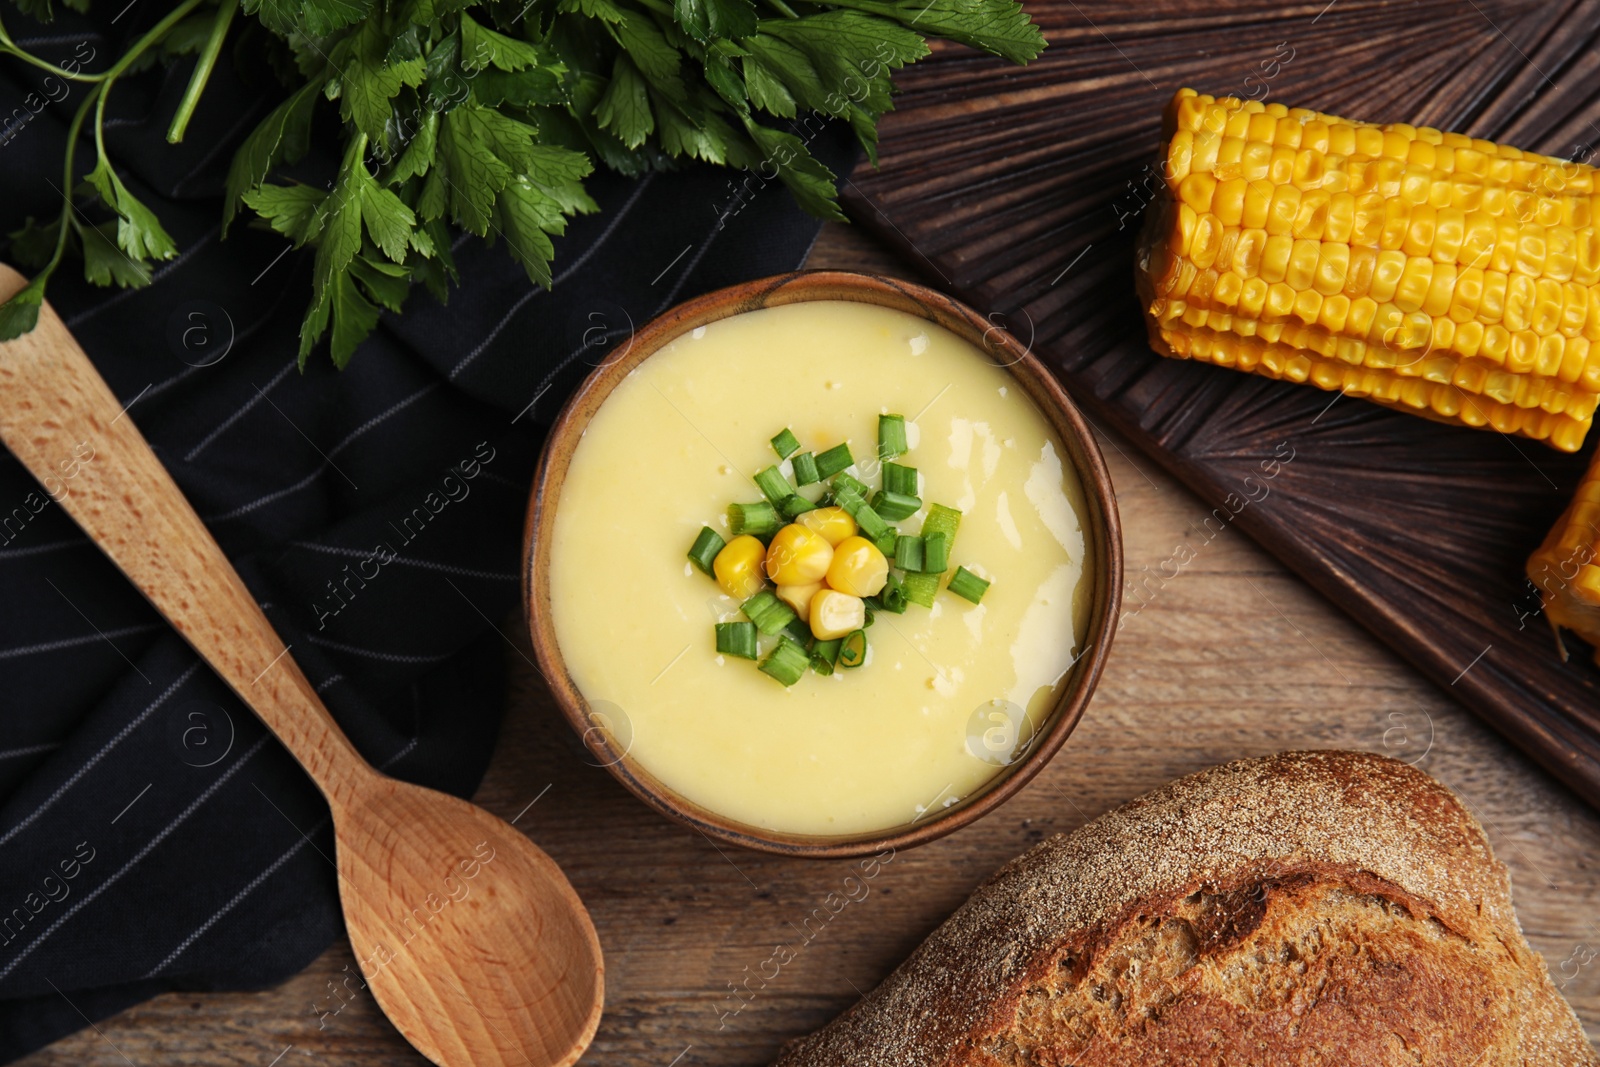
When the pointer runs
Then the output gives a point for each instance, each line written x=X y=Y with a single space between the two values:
x=1102 y=529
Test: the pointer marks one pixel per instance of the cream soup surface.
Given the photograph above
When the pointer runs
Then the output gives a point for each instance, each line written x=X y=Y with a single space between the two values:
x=869 y=749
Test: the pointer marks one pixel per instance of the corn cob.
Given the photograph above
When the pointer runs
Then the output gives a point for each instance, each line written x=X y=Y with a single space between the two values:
x=1451 y=277
x=1566 y=568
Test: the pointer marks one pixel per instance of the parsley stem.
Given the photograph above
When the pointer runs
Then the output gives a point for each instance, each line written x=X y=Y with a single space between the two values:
x=143 y=44
x=783 y=9
x=202 y=70
x=10 y=47
x=66 y=182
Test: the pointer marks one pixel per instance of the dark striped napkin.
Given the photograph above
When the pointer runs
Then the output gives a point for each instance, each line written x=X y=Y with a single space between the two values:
x=153 y=837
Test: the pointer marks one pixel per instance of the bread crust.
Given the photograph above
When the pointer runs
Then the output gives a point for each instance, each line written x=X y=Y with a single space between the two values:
x=1308 y=907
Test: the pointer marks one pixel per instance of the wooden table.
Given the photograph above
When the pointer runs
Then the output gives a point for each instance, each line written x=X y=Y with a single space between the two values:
x=1235 y=657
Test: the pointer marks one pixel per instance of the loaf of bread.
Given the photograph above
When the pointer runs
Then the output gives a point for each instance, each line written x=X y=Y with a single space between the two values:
x=1305 y=908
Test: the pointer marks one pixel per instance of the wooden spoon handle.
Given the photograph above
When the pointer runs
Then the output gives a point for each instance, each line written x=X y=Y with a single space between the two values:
x=58 y=417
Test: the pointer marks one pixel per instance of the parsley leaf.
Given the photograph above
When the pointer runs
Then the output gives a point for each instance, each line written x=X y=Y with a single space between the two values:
x=354 y=317
x=470 y=141
x=106 y=264
x=809 y=181
x=625 y=107
x=34 y=244
x=20 y=314
x=139 y=232
x=705 y=19
x=482 y=47
x=292 y=210
x=281 y=137
x=369 y=83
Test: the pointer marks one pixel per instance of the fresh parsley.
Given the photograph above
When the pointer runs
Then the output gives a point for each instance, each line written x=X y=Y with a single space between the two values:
x=487 y=117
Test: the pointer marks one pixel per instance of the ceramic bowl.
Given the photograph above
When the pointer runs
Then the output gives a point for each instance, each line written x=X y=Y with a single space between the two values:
x=1101 y=531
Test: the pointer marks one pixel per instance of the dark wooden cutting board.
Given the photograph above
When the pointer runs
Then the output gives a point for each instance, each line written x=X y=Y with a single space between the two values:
x=1020 y=190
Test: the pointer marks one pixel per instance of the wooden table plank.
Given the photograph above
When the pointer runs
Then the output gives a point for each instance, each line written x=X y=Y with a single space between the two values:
x=1232 y=657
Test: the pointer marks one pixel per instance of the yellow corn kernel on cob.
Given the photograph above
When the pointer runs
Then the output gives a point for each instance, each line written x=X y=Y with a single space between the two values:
x=1566 y=568
x=1450 y=277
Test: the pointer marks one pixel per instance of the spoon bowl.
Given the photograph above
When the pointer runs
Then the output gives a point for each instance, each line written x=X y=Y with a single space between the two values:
x=472 y=940
x=469 y=936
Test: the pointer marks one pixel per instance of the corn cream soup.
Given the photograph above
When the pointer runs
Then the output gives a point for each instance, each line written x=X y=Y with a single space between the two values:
x=946 y=696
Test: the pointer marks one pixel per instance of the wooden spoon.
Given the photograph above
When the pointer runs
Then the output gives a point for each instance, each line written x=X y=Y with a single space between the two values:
x=470 y=937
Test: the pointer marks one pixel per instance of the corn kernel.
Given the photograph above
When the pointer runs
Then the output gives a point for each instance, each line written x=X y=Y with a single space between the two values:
x=835 y=614
x=834 y=523
x=858 y=568
x=799 y=597
x=738 y=567
x=798 y=555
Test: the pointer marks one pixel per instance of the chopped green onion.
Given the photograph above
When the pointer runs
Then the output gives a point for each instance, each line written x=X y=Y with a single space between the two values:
x=705 y=548
x=769 y=613
x=967 y=585
x=895 y=506
x=886 y=542
x=908 y=553
x=871 y=615
x=853 y=649
x=798 y=629
x=935 y=553
x=898 y=478
x=873 y=527
x=758 y=520
x=805 y=469
x=737 y=639
x=892 y=436
x=774 y=486
x=922 y=588
x=785 y=444
x=942 y=520
x=848 y=497
x=787 y=662
x=845 y=483
x=823 y=656
x=795 y=505
x=834 y=460
x=893 y=595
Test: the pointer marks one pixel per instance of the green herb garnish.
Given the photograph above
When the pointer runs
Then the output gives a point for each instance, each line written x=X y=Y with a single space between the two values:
x=773 y=485
x=787 y=662
x=941 y=521
x=893 y=595
x=908 y=553
x=900 y=479
x=705 y=548
x=769 y=614
x=486 y=118
x=892 y=436
x=834 y=460
x=785 y=444
x=846 y=482
x=853 y=649
x=737 y=639
x=759 y=520
x=967 y=585
x=824 y=654
x=794 y=505
x=805 y=469
x=895 y=506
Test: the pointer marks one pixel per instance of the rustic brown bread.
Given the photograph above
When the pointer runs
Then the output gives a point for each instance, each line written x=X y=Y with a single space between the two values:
x=1304 y=908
